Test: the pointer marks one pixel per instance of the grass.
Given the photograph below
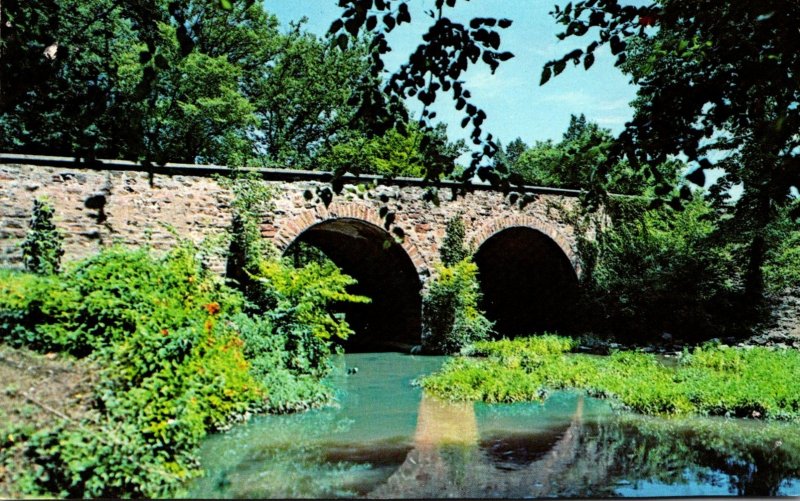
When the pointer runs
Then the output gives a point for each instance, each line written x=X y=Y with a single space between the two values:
x=711 y=380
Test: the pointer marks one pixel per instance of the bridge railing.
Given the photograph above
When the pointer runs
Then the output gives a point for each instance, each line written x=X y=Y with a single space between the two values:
x=199 y=170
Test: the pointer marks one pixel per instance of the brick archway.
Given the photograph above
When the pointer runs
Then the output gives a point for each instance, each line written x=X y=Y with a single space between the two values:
x=498 y=224
x=289 y=229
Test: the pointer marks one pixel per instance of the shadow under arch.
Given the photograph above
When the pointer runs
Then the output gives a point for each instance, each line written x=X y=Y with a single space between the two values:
x=385 y=273
x=529 y=284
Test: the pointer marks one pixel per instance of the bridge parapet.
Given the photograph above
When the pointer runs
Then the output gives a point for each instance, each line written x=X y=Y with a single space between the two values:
x=111 y=201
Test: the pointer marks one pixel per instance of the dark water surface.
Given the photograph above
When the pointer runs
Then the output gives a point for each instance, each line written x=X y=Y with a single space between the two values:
x=385 y=439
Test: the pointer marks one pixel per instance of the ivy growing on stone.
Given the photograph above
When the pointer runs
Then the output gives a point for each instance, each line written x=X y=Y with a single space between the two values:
x=453 y=249
x=42 y=248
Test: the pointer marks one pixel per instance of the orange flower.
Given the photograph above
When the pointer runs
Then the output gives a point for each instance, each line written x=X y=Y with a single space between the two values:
x=164 y=332
x=213 y=308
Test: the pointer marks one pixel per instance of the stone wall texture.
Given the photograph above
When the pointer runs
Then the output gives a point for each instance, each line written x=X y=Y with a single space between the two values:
x=97 y=208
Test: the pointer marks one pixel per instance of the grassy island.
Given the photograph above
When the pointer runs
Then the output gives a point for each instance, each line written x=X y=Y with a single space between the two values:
x=712 y=379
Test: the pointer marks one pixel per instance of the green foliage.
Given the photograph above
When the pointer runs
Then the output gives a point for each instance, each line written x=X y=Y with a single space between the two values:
x=251 y=199
x=660 y=270
x=171 y=81
x=453 y=249
x=106 y=298
x=267 y=348
x=178 y=358
x=710 y=380
x=42 y=247
x=730 y=121
x=394 y=153
x=171 y=370
x=303 y=296
x=573 y=162
x=450 y=313
x=782 y=263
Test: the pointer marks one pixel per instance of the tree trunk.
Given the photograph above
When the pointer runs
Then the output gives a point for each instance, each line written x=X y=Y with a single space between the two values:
x=754 y=276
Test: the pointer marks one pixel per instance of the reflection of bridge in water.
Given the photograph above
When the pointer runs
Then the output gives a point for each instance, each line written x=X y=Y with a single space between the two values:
x=447 y=459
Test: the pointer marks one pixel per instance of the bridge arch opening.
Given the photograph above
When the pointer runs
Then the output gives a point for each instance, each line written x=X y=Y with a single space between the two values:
x=528 y=282
x=385 y=273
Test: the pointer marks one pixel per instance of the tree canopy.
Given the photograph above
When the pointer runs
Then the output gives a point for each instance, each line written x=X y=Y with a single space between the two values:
x=189 y=81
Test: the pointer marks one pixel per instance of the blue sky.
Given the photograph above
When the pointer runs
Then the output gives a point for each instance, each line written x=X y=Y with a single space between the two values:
x=515 y=103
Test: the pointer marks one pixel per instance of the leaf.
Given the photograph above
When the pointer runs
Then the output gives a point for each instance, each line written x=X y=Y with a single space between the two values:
x=372 y=22
x=403 y=15
x=697 y=177
x=341 y=41
x=546 y=73
x=336 y=26
x=161 y=62
x=226 y=4
x=504 y=23
x=388 y=20
x=588 y=61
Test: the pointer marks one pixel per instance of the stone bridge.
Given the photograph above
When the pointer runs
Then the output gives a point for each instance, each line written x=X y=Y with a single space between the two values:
x=383 y=232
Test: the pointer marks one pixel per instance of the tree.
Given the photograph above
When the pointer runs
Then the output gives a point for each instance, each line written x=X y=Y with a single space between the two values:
x=395 y=153
x=184 y=81
x=447 y=51
x=574 y=161
x=717 y=83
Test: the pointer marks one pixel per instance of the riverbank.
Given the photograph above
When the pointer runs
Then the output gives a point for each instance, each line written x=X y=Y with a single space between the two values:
x=38 y=391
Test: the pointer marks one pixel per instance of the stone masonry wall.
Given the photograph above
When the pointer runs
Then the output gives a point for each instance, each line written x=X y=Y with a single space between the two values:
x=96 y=208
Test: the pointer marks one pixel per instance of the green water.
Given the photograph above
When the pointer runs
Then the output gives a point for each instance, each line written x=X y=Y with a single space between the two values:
x=384 y=439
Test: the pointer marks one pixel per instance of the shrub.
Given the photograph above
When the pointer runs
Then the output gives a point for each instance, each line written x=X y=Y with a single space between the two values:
x=453 y=249
x=271 y=362
x=450 y=313
x=179 y=358
x=251 y=198
x=171 y=370
x=660 y=270
x=301 y=302
x=782 y=264
x=41 y=249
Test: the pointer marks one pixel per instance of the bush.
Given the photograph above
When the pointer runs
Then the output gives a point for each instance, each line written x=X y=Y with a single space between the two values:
x=782 y=265
x=271 y=363
x=171 y=369
x=106 y=298
x=450 y=314
x=652 y=271
x=42 y=247
x=179 y=358
x=301 y=309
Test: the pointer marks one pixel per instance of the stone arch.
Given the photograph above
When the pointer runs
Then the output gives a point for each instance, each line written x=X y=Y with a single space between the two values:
x=528 y=274
x=383 y=268
x=498 y=224
x=289 y=229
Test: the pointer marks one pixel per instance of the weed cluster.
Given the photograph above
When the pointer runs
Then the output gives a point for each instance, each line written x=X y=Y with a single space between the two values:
x=712 y=379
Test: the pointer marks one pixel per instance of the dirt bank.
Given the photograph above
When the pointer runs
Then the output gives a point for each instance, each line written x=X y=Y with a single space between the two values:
x=37 y=391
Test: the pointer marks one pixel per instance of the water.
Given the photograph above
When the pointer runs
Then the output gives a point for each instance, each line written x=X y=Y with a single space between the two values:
x=385 y=439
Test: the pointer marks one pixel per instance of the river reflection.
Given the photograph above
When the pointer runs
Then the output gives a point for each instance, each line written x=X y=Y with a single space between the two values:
x=386 y=440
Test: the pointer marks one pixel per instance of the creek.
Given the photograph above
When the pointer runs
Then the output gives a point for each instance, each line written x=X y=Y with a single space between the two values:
x=385 y=439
